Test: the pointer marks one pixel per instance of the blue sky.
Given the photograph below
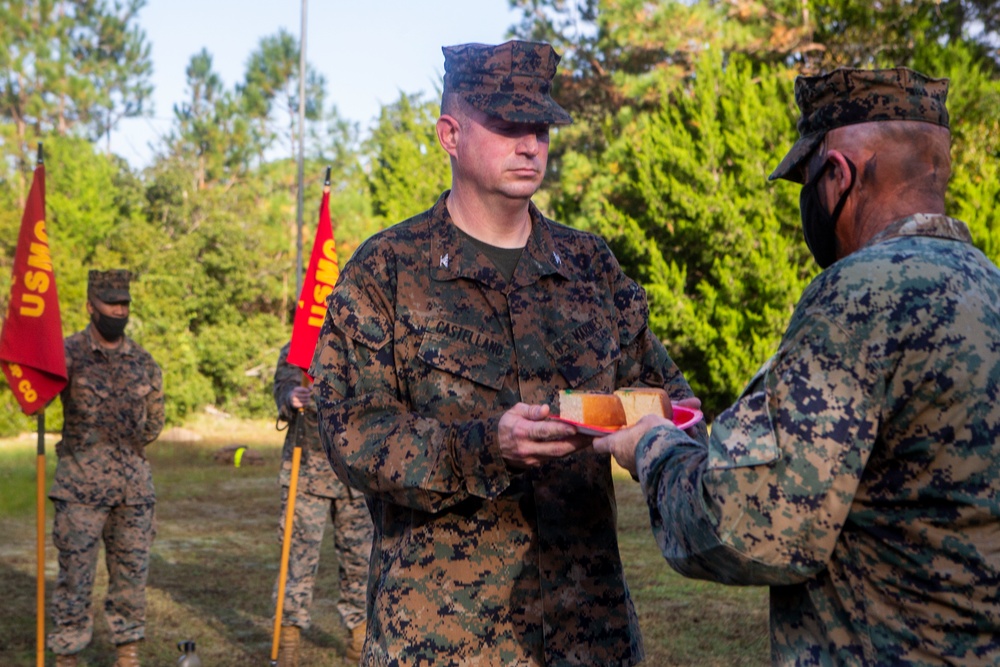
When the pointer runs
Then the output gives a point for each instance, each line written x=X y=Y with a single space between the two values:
x=368 y=50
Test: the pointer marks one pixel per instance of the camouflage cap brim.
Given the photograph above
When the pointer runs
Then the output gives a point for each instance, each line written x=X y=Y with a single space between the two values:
x=113 y=296
x=519 y=108
x=790 y=167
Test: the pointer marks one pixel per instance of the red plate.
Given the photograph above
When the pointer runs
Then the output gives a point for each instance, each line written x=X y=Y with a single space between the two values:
x=586 y=429
x=684 y=417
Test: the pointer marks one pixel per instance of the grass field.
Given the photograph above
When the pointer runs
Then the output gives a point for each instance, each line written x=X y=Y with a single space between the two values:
x=216 y=557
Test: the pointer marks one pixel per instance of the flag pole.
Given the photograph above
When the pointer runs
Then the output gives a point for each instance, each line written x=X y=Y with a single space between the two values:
x=297 y=451
x=40 y=552
x=286 y=541
x=40 y=526
x=301 y=155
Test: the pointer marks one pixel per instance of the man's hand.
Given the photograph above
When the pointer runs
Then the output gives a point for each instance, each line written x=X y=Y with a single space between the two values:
x=622 y=443
x=300 y=397
x=694 y=403
x=528 y=440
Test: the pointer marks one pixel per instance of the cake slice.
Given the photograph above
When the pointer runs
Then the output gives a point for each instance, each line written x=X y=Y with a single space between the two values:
x=591 y=408
x=641 y=401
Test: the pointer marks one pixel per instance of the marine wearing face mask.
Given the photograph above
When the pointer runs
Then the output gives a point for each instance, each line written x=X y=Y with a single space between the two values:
x=855 y=475
x=108 y=302
x=819 y=225
x=111 y=328
x=848 y=157
x=113 y=407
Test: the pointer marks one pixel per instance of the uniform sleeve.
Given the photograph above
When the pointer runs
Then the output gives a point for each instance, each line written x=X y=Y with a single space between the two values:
x=374 y=442
x=286 y=378
x=154 y=405
x=66 y=395
x=764 y=503
x=70 y=364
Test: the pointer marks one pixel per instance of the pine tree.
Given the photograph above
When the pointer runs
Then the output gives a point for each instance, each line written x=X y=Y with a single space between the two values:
x=409 y=170
x=682 y=197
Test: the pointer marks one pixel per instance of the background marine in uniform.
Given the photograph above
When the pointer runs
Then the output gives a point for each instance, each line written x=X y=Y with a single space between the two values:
x=319 y=494
x=103 y=486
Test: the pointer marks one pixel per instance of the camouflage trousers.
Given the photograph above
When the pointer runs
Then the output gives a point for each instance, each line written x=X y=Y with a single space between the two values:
x=352 y=537
x=127 y=532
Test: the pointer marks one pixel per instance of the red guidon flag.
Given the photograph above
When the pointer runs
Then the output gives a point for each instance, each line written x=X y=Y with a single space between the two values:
x=316 y=286
x=31 y=344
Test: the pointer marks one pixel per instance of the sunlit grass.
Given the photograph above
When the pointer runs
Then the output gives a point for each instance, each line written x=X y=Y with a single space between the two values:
x=18 y=471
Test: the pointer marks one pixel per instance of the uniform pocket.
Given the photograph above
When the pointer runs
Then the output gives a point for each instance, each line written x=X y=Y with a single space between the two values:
x=359 y=321
x=89 y=390
x=585 y=351
x=468 y=354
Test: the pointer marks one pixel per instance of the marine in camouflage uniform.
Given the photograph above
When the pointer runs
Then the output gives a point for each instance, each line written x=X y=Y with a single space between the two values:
x=103 y=487
x=857 y=473
x=427 y=352
x=319 y=494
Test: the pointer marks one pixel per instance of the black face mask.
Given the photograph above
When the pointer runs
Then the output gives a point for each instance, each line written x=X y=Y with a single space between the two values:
x=110 y=328
x=818 y=225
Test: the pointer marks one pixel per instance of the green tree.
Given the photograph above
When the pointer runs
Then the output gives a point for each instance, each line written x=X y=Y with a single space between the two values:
x=213 y=136
x=409 y=170
x=859 y=34
x=70 y=66
x=618 y=52
x=270 y=92
x=974 y=108
x=227 y=216
x=218 y=269
x=681 y=195
x=115 y=57
x=668 y=156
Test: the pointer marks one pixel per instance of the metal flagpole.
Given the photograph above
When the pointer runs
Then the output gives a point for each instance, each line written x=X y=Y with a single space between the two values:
x=40 y=528
x=286 y=542
x=40 y=541
x=302 y=133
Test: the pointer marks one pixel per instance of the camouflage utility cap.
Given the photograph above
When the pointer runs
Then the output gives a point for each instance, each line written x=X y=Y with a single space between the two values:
x=511 y=81
x=850 y=96
x=109 y=286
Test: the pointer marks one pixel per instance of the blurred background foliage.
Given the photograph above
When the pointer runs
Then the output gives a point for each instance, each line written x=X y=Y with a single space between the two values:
x=682 y=109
